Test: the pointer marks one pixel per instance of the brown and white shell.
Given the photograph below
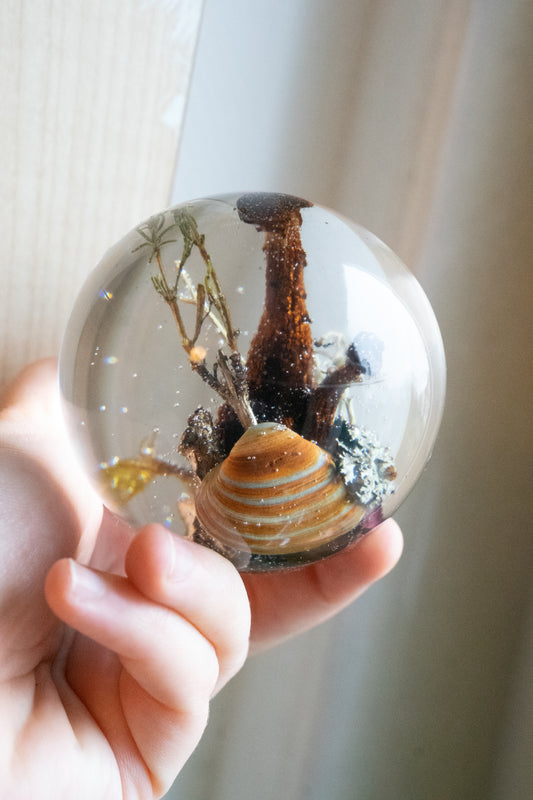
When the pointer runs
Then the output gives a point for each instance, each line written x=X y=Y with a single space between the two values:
x=278 y=492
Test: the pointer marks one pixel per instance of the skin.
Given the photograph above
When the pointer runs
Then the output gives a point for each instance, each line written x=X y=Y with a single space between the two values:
x=112 y=644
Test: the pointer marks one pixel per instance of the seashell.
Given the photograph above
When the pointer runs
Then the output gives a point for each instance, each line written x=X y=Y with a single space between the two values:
x=276 y=492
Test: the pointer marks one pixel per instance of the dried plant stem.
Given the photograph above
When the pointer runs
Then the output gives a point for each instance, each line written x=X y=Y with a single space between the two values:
x=237 y=395
x=219 y=301
x=193 y=300
x=170 y=297
x=160 y=467
x=326 y=397
x=233 y=387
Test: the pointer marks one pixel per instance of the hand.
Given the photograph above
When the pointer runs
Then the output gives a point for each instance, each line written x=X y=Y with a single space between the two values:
x=114 y=710
x=111 y=705
x=285 y=604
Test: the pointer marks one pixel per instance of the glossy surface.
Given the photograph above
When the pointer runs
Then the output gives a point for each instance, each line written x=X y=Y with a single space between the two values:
x=276 y=491
x=223 y=314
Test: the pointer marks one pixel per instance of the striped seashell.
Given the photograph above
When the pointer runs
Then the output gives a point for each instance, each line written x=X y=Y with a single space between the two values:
x=276 y=493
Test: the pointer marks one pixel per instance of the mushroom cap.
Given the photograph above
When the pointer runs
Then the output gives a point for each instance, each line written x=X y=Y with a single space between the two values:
x=269 y=210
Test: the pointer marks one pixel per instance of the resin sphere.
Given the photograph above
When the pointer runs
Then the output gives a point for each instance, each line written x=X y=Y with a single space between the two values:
x=255 y=372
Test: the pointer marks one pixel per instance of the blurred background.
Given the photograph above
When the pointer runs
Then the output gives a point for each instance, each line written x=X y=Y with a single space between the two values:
x=415 y=118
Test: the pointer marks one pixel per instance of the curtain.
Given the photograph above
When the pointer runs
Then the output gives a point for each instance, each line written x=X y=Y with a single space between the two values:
x=414 y=118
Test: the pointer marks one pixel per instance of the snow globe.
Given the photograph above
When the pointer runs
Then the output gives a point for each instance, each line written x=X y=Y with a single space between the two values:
x=255 y=372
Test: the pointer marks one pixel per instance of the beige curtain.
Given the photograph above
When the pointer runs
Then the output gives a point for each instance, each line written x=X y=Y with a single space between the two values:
x=415 y=118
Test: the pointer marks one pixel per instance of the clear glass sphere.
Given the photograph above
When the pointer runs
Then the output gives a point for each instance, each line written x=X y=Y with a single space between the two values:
x=255 y=372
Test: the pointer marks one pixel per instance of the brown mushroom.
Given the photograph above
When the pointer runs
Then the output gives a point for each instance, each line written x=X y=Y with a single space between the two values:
x=280 y=358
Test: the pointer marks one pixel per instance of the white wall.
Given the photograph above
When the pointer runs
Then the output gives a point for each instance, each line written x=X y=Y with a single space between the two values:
x=413 y=117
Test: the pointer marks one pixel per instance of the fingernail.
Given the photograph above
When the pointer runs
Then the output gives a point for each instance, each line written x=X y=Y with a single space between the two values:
x=181 y=559
x=86 y=583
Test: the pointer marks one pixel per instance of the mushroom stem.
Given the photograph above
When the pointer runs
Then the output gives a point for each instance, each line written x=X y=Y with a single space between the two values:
x=280 y=358
x=326 y=397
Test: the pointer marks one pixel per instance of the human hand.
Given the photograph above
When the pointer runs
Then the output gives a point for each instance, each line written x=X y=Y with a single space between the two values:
x=285 y=604
x=115 y=710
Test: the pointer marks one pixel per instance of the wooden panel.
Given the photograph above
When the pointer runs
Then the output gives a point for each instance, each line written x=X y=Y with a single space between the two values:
x=92 y=102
